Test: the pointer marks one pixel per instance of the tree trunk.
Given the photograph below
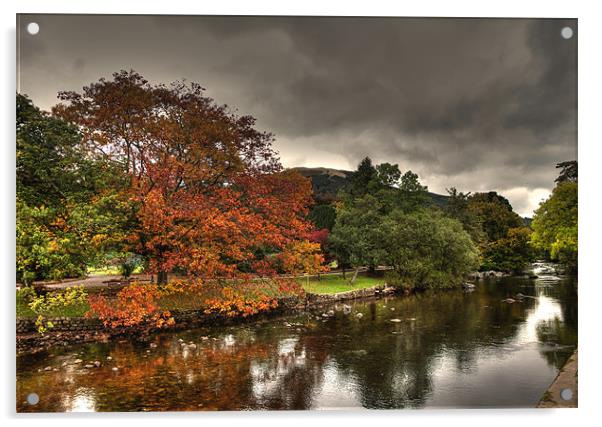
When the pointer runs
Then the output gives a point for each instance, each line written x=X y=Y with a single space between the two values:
x=344 y=269
x=162 y=278
x=357 y=270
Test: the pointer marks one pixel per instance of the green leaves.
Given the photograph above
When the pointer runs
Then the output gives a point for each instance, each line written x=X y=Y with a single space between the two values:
x=68 y=208
x=511 y=253
x=427 y=250
x=555 y=225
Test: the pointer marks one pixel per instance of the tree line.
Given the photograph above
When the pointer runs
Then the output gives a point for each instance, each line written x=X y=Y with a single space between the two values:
x=384 y=217
x=163 y=178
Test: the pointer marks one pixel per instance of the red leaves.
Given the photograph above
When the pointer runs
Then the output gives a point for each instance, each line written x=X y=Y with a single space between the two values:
x=135 y=304
x=319 y=236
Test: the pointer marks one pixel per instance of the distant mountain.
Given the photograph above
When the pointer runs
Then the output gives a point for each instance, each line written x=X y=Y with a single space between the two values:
x=327 y=182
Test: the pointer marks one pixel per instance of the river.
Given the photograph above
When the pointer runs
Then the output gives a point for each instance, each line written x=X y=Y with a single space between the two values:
x=435 y=349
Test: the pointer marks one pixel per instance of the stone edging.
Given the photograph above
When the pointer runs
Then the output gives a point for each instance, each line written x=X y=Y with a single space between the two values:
x=565 y=380
x=68 y=330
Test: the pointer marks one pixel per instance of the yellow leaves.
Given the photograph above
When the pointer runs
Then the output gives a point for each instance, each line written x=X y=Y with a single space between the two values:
x=46 y=304
x=99 y=239
x=302 y=257
x=53 y=246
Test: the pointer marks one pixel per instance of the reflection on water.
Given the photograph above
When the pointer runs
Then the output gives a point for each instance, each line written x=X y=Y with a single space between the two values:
x=450 y=349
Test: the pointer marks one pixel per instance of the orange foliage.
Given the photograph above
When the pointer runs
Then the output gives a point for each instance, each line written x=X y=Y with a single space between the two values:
x=302 y=256
x=135 y=304
x=209 y=193
x=208 y=188
x=236 y=303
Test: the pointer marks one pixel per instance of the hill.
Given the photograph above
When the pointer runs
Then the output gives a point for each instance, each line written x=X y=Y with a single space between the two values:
x=327 y=182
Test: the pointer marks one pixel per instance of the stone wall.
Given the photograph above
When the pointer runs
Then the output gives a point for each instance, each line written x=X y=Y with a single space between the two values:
x=68 y=330
x=382 y=290
x=61 y=324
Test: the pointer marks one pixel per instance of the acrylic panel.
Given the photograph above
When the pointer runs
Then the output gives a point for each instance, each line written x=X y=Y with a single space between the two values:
x=278 y=213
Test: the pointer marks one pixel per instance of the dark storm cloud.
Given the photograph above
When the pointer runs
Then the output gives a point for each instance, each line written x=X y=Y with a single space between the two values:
x=476 y=103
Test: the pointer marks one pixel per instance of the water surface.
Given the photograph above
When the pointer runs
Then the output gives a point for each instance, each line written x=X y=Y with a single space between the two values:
x=446 y=349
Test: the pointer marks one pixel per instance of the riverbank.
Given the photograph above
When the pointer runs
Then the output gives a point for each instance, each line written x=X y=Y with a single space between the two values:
x=72 y=330
x=563 y=392
x=451 y=348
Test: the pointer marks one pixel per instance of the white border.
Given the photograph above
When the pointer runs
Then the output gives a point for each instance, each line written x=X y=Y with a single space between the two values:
x=590 y=140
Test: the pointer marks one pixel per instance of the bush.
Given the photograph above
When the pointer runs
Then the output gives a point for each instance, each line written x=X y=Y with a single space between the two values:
x=57 y=303
x=427 y=250
x=509 y=254
x=136 y=303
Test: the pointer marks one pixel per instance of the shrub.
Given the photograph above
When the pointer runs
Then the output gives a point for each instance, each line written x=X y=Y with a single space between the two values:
x=135 y=304
x=511 y=253
x=427 y=250
x=56 y=303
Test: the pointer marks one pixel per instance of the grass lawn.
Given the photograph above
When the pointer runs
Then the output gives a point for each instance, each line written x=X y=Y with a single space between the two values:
x=78 y=310
x=332 y=284
x=110 y=271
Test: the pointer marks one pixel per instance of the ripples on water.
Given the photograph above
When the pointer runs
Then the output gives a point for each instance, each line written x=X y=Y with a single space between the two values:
x=448 y=349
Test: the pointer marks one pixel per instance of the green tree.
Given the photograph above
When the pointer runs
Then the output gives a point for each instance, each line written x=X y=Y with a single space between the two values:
x=495 y=214
x=412 y=194
x=356 y=238
x=568 y=171
x=458 y=207
x=511 y=253
x=67 y=209
x=323 y=216
x=555 y=228
x=427 y=250
x=363 y=179
x=388 y=175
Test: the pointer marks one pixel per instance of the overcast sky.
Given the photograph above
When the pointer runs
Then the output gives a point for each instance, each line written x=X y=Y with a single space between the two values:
x=479 y=104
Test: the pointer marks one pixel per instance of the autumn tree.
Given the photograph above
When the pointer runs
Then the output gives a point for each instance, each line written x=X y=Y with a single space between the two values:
x=207 y=188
